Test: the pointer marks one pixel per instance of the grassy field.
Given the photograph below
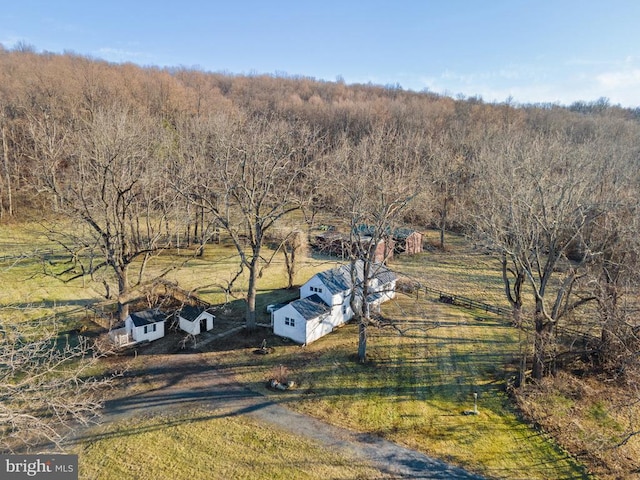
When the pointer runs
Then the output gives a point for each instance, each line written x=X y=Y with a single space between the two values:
x=426 y=360
x=204 y=445
x=27 y=294
x=424 y=365
x=30 y=294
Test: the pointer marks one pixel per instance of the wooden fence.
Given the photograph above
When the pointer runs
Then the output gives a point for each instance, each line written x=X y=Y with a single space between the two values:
x=466 y=302
x=102 y=316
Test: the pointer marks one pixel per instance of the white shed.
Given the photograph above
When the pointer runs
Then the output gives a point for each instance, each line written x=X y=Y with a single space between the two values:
x=146 y=325
x=195 y=320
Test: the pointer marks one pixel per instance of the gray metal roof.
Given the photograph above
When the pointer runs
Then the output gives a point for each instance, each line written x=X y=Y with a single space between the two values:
x=374 y=297
x=383 y=274
x=403 y=232
x=310 y=307
x=147 y=317
x=339 y=279
x=191 y=313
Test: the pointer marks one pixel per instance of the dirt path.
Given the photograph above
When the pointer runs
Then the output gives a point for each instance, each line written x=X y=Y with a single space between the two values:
x=187 y=381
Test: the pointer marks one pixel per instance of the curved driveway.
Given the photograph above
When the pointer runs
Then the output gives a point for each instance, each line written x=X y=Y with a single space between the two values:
x=188 y=381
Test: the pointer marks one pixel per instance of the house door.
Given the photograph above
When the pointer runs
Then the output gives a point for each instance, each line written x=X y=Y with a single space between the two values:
x=203 y=325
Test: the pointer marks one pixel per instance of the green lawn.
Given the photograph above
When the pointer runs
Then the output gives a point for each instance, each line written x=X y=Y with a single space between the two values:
x=204 y=445
x=426 y=360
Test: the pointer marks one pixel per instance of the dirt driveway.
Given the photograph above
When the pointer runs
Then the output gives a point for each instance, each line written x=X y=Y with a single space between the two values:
x=188 y=381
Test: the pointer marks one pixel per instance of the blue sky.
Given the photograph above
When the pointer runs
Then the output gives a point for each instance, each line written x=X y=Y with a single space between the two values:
x=533 y=51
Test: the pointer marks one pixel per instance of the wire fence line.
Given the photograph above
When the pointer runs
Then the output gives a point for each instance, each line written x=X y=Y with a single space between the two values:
x=37 y=253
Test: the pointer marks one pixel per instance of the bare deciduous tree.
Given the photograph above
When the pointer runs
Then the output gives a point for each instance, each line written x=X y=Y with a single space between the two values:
x=249 y=173
x=294 y=245
x=374 y=181
x=46 y=389
x=537 y=212
x=108 y=176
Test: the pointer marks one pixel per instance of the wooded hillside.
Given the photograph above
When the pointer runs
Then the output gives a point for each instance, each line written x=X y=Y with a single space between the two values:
x=141 y=155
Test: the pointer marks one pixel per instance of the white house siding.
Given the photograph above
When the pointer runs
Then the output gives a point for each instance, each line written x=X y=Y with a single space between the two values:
x=190 y=327
x=317 y=328
x=315 y=287
x=140 y=335
x=297 y=333
x=333 y=288
x=130 y=327
x=390 y=290
x=151 y=334
x=337 y=317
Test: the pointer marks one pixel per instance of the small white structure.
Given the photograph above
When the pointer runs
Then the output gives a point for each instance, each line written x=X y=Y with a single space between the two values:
x=195 y=320
x=147 y=325
x=324 y=302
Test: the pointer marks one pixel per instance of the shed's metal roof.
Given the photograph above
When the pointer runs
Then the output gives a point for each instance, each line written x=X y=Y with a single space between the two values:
x=191 y=313
x=147 y=317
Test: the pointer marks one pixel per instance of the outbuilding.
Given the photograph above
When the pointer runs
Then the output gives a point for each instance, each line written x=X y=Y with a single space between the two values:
x=195 y=320
x=147 y=325
x=407 y=241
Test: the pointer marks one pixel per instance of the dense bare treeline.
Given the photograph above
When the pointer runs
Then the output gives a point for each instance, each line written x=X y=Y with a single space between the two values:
x=143 y=156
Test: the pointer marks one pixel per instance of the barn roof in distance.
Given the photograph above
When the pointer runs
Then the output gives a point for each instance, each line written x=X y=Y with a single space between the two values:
x=404 y=232
x=147 y=317
x=191 y=313
x=398 y=233
x=310 y=307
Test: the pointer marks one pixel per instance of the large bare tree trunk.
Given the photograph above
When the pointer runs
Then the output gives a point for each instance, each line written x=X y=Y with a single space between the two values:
x=541 y=345
x=251 y=294
x=7 y=171
x=123 y=293
x=362 y=340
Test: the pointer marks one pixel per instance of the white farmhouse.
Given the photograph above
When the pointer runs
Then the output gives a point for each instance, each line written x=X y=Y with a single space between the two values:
x=195 y=320
x=324 y=302
x=147 y=325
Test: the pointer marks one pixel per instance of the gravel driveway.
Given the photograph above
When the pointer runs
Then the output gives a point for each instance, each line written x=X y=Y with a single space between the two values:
x=187 y=381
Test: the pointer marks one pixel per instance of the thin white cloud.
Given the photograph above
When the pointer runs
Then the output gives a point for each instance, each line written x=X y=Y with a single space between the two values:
x=624 y=79
x=12 y=40
x=120 y=55
x=617 y=80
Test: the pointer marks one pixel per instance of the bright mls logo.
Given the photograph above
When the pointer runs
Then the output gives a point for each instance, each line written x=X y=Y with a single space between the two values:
x=49 y=467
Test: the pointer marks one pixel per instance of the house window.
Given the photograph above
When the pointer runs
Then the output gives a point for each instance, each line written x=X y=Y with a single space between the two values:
x=290 y=321
x=344 y=309
x=149 y=328
x=316 y=289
